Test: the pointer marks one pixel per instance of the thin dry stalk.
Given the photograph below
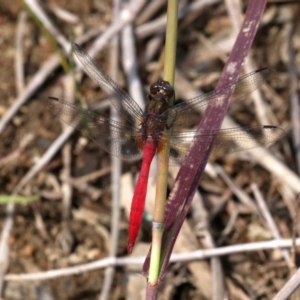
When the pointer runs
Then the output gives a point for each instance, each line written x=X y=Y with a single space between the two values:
x=177 y=257
x=63 y=14
x=91 y=176
x=87 y=189
x=235 y=12
x=129 y=61
x=270 y=221
x=66 y=239
x=37 y=80
x=150 y=9
x=116 y=169
x=127 y=16
x=242 y=195
x=294 y=96
x=45 y=20
x=4 y=247
x=289 y=288
x=19 y=64
x=153 y=47
x=12 y=157
x=201 y=217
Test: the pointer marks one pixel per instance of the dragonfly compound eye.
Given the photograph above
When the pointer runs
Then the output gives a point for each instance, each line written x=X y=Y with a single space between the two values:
x=162 y=87
x=154 y=89
x=168 y=90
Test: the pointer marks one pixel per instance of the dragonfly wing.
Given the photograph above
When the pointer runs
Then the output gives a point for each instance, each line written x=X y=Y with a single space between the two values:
x=112 y=136
x=227 y=140
x=237 y=139
x=119 y=98
x=188 y=113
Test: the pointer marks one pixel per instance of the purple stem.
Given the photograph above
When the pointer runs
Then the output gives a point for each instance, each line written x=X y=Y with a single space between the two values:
x=193 y=166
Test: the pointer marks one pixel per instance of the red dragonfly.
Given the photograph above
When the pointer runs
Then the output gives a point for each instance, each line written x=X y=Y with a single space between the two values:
x=142 y=133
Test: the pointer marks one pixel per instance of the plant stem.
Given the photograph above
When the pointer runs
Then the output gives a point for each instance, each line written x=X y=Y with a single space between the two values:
x=162 y=173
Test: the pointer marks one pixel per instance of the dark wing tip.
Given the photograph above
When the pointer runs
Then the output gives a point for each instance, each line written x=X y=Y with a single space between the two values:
x=53 y=98
x=77 y=47
x=262 y=69
x=268 y=70
x=279 y=129
x=78 y=50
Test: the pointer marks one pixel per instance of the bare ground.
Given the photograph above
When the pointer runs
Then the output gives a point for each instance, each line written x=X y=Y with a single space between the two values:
x=48 y=234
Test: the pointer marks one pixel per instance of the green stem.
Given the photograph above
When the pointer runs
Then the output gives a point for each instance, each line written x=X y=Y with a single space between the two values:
x=162 y=173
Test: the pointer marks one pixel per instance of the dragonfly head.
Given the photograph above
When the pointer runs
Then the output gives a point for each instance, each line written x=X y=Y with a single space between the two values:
x=161 y=90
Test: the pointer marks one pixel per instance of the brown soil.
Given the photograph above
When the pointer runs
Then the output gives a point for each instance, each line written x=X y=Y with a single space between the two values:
x=44 y=238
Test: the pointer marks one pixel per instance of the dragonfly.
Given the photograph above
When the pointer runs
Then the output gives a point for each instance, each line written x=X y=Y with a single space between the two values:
x=142 y=134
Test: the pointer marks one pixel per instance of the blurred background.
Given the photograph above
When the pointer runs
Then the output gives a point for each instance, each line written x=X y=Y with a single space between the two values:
x=67 y=182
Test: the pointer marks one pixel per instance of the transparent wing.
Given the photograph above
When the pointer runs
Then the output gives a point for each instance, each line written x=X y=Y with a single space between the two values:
x=119 y=98
x=227 y=140
x=189 y=113
x=112 y=136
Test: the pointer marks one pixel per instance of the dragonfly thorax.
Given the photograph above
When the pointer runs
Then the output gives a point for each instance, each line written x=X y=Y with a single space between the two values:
x=154 y=122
